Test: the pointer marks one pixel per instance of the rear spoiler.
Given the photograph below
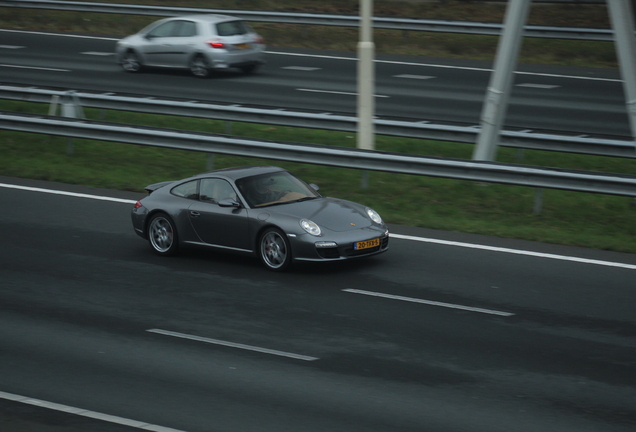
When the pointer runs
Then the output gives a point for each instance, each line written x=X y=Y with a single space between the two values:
x=153 y=187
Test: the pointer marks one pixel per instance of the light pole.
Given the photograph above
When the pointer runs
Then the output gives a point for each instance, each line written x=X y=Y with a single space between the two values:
x=498 y=94
x=366 y=81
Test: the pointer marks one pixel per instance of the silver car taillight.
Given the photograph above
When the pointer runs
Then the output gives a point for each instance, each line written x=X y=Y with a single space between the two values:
x=216 y=43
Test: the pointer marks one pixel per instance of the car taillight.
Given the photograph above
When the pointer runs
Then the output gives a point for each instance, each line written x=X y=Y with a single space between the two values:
x=259 y=40
x=138 y=204
x=216 y=44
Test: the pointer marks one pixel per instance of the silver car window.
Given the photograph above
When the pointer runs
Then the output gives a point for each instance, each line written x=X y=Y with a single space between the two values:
x=164 y=30
x=231 y=28
x=186 y=29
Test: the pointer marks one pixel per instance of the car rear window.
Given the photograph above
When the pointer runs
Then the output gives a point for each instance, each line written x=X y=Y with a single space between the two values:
x=231 y=28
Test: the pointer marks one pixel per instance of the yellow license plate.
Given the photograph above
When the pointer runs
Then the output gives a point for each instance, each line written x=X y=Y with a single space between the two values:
x=366 y=244
x=242 y=46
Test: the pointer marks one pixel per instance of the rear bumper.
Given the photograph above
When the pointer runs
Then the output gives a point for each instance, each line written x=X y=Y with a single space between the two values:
x=235 y=59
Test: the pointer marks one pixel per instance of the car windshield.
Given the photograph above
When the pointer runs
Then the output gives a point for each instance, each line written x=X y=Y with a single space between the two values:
x=274 y=188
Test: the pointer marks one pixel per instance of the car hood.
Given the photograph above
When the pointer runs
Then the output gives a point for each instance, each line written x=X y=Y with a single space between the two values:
x=333 y=214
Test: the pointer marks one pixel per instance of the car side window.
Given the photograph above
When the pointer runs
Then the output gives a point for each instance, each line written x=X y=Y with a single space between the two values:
x=214 y=190
x=164 y=30
x=231 y=28
x=188 y=190
x=186 y=29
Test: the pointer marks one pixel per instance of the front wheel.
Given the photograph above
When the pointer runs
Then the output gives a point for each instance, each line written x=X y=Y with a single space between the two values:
x=274 y=250
x=162 y=235
x=130 y=62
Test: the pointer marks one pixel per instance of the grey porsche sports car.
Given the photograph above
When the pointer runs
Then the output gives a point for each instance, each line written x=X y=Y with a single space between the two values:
x=265 y=211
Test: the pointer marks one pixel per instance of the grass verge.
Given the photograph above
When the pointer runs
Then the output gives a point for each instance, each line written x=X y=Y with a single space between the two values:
x=571 y=218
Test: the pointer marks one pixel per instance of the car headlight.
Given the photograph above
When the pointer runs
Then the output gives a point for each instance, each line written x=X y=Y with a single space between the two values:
x=374 y=216
x=311 y=227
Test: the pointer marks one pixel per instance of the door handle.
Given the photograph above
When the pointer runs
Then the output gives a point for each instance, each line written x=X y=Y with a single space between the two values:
x=195 y=214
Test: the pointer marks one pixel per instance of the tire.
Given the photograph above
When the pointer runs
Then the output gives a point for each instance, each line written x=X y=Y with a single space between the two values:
x=274 y=250
x=249 y=69
x=199 y=67
x=162 y=235
x=131 y=63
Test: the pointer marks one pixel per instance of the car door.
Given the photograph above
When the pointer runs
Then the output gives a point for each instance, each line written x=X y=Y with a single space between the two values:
x=181 y=43
x=157 y=44
x=216 y=225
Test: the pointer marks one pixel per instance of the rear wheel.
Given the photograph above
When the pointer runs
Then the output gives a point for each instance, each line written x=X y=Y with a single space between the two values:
x=274 y=250
x=200 y=67
x=130 y=62
x=162 y=235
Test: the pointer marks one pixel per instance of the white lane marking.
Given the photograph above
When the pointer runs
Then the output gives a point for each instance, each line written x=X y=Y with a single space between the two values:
x=86 y=413
x=302 y=68
x=232 y=344
x=419 y=77
x=447 y=67
x=516 y=251
x=97 y=53
x=393 y=235
x=58 y=34
x=336 y=92
x=72 y=194
x=11 y=47
x=352 y=59
x=429 y=302
x=34 y=67
x=539 y=86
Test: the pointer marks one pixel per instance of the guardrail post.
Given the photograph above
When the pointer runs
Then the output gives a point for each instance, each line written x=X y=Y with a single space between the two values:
x=498 y=93
x=538 y=201
x=71 y=108
x=622 y=18
x=210 y=162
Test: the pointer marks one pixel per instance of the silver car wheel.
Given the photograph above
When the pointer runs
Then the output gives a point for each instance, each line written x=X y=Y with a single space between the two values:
x=130 y=62
x=199 y=67
x=274 y=250
x=162 y=235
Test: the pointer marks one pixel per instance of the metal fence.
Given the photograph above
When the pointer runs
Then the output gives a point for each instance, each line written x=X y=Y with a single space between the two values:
x=405 y=24
x=402 y=128
x=581 y=181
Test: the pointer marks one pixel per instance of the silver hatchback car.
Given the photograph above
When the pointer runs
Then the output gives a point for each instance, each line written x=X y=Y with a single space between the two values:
x=200 y=43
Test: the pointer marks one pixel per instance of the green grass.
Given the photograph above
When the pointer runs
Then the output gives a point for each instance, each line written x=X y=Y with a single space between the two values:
x=589 y=220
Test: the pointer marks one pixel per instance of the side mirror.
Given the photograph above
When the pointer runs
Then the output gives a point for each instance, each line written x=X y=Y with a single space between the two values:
x=229 y=202
x=314 y=187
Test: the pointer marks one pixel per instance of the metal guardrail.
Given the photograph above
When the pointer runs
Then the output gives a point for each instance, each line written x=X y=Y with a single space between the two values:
x=406 y=24
x=407 y=129
x=580 y=181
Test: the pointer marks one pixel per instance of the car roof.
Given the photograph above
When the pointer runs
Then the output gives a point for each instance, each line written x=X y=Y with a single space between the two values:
x=236 y=173
x=210 y=18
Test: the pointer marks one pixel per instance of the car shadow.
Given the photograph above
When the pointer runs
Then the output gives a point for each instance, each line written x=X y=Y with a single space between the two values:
x=234 y=263
x=215 y=74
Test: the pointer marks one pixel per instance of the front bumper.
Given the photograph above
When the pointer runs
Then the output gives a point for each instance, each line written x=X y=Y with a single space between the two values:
x=338 y=247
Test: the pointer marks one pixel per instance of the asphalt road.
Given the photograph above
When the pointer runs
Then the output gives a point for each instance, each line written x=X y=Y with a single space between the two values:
x=579 y=100
x=90 y=318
